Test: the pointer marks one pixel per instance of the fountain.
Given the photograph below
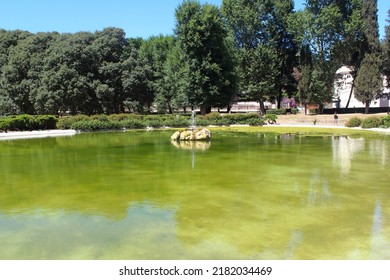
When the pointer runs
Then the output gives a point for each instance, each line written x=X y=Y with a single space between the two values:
x=193 y=133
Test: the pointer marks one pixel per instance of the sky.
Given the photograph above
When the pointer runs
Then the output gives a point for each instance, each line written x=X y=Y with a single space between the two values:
x=138 y=18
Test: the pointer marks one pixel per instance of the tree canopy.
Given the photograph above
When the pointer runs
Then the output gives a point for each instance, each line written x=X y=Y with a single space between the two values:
x=245 y=49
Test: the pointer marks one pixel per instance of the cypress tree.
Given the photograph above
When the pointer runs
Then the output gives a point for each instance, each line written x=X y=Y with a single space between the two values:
x=369 y=80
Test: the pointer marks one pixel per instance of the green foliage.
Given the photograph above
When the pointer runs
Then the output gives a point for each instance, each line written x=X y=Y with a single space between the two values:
x=176 y=121
x=28 y=122
x=371 y=122
x=95 y=124
x=229 y=119
x=134 y=123
x=280 y=111
x=255 y=121
x=45 y=122
x=353 y=122
x=22 y=122
x=385 y=121
x=369 y=82
x=4 y=124
x=207 y=63
x=271 y=118
x=68 y=121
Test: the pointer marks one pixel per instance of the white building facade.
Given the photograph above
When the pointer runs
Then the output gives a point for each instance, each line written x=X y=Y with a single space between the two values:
x=342 y=91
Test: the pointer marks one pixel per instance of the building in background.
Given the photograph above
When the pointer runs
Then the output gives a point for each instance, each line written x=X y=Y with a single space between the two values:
x=342 y=92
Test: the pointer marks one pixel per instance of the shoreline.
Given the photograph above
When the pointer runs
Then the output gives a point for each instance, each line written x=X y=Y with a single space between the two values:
x=14 y=135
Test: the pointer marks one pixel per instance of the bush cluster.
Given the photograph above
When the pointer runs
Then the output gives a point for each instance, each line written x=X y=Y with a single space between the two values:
x=28 y=122
x=133 y=121
x=385 y=122
x=122 y=121
x=353 y=122
x=280 y=111
x=370 y=122
x=216 y=118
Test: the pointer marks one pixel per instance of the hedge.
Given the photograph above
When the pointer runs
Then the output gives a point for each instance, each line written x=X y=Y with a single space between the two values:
x=28 y=122
x=371 y=122
x=353 y=122
x=122 y=121
x=385 y=121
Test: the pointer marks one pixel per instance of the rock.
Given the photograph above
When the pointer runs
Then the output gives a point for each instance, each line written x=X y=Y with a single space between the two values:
x=187 y=135
x=176 y=136
x=203 y=134
x=192 y=135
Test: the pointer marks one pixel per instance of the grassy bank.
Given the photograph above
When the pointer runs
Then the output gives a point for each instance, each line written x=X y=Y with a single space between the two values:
x=309 y=131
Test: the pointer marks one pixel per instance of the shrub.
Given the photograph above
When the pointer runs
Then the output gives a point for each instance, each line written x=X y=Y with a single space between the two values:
x=385 y=121
x=153 y=121
x=270 y=118
x=46 y=122
x=224 y=121
x=255 y=121
x=4 y=124
x=371 y=122
x=132 y=123
x=280 y=111
x=22 y=122
x=353 y=122
x=202 y=122
x=240 y=118
x=122 y=117
x=294 y=111
x=177 y=121
x=101 y=117
x=67 y=122
x=92 y=125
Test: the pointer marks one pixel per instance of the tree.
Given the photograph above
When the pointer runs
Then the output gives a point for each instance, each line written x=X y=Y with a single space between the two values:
x=260 y=30
x=156 y=51
x=108 y=46
x=137 y=81
x=21 y=73
x=318 y=30
x=171 y=93
x=386 y=56
x=202 y=38
x=69 y=71
x=369 y=80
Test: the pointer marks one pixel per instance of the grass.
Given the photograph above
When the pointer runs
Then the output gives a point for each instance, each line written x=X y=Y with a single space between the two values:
x=299 y=130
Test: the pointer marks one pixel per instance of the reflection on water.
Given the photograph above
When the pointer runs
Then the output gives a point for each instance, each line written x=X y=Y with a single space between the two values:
x=137 y=196
x=344 y=150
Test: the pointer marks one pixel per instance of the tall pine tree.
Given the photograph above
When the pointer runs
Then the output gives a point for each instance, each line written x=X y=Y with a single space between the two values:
x=369 y=80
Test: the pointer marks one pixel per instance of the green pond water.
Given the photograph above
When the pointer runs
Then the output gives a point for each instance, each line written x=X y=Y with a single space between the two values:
x=136 y=195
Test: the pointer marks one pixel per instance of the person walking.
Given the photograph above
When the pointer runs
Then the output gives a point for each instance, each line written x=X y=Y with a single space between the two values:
x=335 y=118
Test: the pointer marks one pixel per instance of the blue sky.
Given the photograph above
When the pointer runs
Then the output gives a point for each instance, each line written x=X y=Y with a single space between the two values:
x=138 y=18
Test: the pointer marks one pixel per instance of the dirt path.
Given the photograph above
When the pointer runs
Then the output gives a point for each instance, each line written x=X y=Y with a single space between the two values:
x=320 y=119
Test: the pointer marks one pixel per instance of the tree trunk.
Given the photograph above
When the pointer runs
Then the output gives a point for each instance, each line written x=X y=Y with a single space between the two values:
x=205 y=109
x=262 y=108
x=367 y=110
x=320 y=108
x=350 y=95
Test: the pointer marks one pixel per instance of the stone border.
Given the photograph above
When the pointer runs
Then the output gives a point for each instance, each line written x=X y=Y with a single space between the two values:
x=12 y=135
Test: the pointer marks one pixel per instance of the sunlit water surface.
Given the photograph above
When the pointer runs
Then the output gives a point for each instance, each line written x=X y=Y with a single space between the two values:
x=136 y=195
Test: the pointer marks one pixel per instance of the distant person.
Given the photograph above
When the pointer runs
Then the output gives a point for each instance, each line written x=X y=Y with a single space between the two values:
x=336 y=118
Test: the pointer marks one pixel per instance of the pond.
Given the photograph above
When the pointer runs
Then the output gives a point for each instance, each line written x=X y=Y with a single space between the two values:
x=136 y=195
